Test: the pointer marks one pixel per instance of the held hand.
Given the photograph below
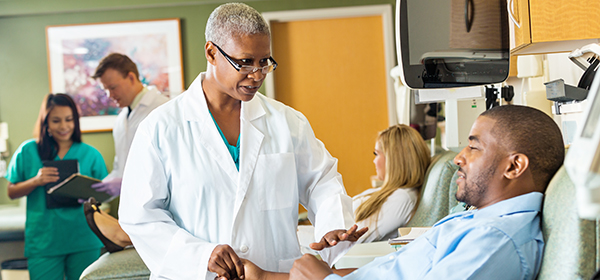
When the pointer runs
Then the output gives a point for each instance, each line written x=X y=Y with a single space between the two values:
x=111 y=187
x=252 y=271
x=333 y=237
x=47 y=175
x=309 y=268
x=225 y=262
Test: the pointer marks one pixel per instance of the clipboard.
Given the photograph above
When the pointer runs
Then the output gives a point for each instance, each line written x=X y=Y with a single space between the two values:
x=65 y=169
x=78 y=186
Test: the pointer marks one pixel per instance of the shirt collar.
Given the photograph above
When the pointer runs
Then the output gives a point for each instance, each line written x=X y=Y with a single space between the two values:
x=253 y=109
x=138 y=97
x=524 y=203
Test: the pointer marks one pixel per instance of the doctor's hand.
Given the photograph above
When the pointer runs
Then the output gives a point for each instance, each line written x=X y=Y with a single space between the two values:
x=333 y=237
x=111 y=187
x=225 y=262
x=308 y=268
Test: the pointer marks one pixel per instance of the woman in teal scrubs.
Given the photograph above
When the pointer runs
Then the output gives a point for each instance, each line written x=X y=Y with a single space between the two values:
x=58 y=242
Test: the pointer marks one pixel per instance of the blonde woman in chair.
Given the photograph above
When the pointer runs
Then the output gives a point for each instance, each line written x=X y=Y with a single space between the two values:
x=401 y=160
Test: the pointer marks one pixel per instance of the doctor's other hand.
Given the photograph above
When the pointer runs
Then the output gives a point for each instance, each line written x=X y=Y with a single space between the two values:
x=333 y=237
x=47 y=175
x=308 y=268
x=111 y=186
x=225 y=262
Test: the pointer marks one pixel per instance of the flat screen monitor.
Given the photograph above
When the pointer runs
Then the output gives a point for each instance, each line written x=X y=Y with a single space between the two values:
x=452 y=43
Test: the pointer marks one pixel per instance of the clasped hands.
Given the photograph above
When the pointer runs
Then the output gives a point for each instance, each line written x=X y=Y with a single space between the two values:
x=227 y=265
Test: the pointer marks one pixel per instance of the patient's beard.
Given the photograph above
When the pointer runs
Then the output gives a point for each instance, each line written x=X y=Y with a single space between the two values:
x=474 y=191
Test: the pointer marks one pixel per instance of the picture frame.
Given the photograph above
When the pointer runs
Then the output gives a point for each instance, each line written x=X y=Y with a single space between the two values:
x=74 y=52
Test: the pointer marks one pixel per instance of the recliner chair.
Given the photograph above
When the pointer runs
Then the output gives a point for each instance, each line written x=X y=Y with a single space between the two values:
x=436 y=197
x=125 y=264
x=571 y=250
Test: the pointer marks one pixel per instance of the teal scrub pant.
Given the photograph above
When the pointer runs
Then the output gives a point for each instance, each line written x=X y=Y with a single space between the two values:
x=61 y=267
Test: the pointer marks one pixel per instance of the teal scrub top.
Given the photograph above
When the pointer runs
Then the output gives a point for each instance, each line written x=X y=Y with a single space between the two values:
x=60 y=231
x=234 y=151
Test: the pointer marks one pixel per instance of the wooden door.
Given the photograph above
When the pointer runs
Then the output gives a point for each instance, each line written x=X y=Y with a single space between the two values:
x=334 y=72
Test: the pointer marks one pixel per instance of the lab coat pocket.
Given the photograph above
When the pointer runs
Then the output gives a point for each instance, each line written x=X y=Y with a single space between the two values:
x=278 y=184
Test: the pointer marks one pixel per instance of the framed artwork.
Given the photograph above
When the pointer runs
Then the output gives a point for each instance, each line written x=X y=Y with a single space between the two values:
x=74 y=52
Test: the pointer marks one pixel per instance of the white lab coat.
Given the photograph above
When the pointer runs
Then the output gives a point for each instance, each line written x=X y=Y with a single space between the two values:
x=125 y=127
x=182 y=194
x=395 y=212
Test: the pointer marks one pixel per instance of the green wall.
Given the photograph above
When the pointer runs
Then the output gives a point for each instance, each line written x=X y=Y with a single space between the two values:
x=23 y=60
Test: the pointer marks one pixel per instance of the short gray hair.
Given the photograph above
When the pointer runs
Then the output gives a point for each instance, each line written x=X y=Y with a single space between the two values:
x=234 y=19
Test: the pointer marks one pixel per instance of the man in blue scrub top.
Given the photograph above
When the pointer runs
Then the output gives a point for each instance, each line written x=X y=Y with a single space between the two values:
x=513 y=153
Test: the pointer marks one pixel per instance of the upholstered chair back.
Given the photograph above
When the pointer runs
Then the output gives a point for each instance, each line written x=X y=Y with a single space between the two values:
x=435 y=199
x=571 y=249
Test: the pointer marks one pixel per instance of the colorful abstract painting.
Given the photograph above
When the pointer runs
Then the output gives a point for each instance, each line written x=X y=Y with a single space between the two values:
x=75 y=51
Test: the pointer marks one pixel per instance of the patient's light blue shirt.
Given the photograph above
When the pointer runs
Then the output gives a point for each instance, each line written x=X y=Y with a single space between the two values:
x=501 y=241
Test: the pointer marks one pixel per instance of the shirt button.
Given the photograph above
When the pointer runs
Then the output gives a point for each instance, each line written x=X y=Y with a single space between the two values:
x=244 y=248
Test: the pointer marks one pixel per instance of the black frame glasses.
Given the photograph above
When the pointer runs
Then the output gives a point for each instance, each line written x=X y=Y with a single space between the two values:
x=247 y=69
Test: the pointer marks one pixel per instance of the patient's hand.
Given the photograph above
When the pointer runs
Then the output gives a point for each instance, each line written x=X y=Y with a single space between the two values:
x=333 y=237
x=309 y=268
x=252 y=271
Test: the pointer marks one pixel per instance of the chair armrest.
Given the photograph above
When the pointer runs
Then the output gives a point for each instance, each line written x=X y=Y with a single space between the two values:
x=125 y=264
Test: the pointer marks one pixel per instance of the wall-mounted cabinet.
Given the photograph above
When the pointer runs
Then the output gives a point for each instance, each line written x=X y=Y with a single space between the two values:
x=513 y=66
x=547 y=26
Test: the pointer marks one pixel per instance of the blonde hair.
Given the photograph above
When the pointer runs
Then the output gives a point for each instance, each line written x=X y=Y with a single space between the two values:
x=406 y=160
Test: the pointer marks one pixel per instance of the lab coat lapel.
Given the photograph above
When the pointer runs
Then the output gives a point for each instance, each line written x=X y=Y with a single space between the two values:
x=121 y=134
x=196 y=112
x=250 y=143
x=148 y=97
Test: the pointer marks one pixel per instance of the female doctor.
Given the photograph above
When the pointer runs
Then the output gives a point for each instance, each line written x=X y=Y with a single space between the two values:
x=216 y=174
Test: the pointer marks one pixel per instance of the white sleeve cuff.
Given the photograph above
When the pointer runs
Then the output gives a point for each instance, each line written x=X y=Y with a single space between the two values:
x=332 y=277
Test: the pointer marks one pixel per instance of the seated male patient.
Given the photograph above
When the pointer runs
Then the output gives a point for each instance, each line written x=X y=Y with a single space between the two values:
x=513 y=153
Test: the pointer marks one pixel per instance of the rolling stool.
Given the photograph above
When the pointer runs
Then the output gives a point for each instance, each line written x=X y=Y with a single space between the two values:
x=15 y=269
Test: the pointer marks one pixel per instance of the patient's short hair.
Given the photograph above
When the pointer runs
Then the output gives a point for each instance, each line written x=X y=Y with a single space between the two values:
x=529 y=131
x=234 y=19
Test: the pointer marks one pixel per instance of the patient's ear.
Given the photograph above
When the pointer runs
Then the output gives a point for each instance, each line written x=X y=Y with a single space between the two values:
x=518 y=164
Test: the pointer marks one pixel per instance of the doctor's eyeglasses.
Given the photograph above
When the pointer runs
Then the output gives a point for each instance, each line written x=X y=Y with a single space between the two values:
x=248 y=69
